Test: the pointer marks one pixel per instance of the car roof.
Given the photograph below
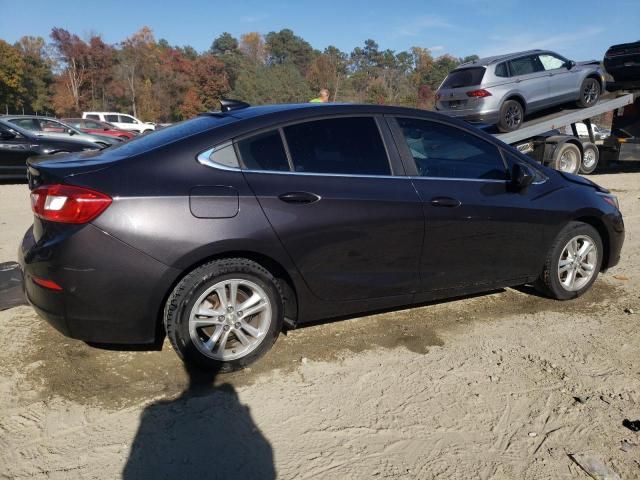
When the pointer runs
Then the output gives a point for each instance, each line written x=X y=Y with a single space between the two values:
x=483 y=62
x=299 y=110
x=38 y=117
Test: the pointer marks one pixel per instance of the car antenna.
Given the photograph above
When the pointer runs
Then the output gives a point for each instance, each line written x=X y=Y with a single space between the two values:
x=228 y=104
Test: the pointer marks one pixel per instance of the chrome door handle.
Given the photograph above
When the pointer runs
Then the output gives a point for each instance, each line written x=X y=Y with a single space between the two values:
x=299 y=197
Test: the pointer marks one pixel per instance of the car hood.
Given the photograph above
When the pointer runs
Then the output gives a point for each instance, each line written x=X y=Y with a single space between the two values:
x=583 y=181
x=589 y=62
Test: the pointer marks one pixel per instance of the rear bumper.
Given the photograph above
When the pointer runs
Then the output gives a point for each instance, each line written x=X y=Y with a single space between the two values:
x=487 y=118
x=111 y=292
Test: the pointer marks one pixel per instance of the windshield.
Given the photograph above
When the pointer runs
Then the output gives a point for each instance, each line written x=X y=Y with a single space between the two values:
x=464 y=77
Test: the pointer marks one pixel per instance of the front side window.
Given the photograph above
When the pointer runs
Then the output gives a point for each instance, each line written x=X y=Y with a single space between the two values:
x=111 y=118
x=348 y=146
x=91 y=124
x=264 y=151
x=550 y=62
x=525 y=65
x=444 y=151
x=125 y=119
x=53 y=127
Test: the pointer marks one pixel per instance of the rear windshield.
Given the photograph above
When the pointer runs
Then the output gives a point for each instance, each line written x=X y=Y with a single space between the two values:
x=178 y=131
x=465 y=77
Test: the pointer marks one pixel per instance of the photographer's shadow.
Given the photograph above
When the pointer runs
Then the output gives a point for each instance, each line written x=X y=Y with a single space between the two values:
x=204 y=433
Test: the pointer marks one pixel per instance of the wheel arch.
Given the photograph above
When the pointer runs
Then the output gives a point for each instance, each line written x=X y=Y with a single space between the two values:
x=600 y=80
x=274 y=267
x=600 y=227
x=518 y=98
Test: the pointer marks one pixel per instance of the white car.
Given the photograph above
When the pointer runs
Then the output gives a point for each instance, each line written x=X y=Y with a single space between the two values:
x=122 y=121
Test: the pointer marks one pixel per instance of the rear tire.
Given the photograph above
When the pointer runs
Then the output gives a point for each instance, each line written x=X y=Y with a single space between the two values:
x=567 y=158
x=224 y=315
x=511 y=116
x=590 y=157
x=589 y=93
x=569 y=271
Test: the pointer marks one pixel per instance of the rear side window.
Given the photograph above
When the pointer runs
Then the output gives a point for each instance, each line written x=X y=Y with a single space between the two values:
x=525 y=65
x=264 y=151
x=111 y=118
x=465 y=77
x=91 y=124
x=502 y=70
x=350 y=146
x=444 y=151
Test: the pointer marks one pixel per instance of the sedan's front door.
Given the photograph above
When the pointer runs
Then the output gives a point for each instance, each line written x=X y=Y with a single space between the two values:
x=353 y=229
x=14 y=151
x=478 y=230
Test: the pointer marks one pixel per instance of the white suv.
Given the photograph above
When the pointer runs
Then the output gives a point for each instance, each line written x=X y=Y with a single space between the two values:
x=122 y=121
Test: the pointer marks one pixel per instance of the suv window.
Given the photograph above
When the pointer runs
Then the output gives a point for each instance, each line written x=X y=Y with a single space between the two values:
x=525 y=65
x=448 y=152
x=264 y=151
x=551 y=62
x=502 y=70
x=125 y=119
x=465 y=77
x=111 y=118
x=350 y=145
x=96 y=117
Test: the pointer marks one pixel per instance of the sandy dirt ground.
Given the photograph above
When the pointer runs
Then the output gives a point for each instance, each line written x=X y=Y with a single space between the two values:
x=505 y=385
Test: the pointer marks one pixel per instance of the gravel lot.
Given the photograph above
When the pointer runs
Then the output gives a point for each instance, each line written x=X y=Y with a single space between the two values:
x=500 y=386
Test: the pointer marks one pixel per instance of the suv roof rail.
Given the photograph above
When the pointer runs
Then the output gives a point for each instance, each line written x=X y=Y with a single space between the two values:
x=228 y=104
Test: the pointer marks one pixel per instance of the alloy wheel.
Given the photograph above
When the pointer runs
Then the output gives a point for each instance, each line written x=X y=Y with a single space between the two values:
x=513 y=116
x=590 y=92
x=230 y=319
x=577 y=264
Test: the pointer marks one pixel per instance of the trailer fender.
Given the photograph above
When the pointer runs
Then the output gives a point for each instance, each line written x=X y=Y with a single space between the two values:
x=551 y=144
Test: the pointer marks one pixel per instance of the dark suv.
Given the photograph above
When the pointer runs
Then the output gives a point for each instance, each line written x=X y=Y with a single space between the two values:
x=220 y=230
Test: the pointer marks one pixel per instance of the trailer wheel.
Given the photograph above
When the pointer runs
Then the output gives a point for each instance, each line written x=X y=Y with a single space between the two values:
x=567 y=158
x=590 y=157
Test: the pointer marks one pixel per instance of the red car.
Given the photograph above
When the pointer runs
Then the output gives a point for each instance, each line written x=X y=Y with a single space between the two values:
x=99 y=128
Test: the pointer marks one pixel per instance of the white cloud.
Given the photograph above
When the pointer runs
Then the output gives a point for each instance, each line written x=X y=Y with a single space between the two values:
x=254 y=18
x=418 y=25
x=499 y=44
x=436 y=48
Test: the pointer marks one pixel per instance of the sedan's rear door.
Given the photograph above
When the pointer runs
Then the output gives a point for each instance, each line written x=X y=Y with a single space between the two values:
x=330 y=189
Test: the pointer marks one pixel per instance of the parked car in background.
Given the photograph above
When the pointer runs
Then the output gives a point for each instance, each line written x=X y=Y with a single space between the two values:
x=98 y=127
x=254 y=217
x=583 y=132
x=122 y=121
x=51 y=127
x=17 y=144
x=504 y=89
x=623 y=62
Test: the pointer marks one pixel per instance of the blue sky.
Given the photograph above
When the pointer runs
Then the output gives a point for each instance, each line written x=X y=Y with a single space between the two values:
x=579 y=29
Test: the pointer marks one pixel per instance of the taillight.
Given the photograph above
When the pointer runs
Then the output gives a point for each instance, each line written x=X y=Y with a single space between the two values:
x=478 y=93
x=68 y=203
x=48 y=284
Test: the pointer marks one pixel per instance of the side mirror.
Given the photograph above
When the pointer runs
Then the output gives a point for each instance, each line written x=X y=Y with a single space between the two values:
x=70 y=132
x=570 y=64
x=521 y=176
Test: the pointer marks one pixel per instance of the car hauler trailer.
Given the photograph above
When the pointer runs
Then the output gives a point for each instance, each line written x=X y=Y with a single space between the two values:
x=540 y=138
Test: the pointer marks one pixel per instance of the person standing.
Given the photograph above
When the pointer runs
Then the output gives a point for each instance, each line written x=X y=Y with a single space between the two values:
x=323 y=96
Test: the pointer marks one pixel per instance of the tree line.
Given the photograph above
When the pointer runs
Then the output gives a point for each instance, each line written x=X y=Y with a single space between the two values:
x=158 y=82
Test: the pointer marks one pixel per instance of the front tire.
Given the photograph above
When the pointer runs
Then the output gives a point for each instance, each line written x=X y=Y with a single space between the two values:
x=590 y=157
x=573 y=262
x=589 y=93
x=511 y=116
x=224 y=315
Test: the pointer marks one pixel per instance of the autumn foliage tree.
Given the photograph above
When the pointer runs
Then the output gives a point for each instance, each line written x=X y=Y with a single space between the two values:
x=157 y=81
